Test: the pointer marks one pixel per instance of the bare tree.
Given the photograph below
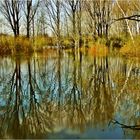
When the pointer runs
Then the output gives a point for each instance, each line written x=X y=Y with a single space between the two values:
x=30 y=11
x=100 y=12
x=71 y=9
x=11 y=10
x=79 y=20
x=54 y=11
x=41 y=23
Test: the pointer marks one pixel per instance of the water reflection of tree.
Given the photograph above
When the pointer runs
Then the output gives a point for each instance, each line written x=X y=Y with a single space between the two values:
x=14 y=111
x=86 y=103
x=23 y=116
x=75 y=113
x=128 y=100
x=38 y=119
x=100 y=104
x=72 y=92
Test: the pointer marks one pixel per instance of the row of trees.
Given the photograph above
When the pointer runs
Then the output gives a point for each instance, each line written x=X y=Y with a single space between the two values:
x=13 y=10
x=71 y=18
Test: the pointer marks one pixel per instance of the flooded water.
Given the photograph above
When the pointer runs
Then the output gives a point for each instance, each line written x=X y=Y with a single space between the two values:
x=53 y=95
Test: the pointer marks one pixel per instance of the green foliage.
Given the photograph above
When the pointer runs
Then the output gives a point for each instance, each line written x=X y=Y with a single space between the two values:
x=21 y=44
x=39 y=42
x=11 y=45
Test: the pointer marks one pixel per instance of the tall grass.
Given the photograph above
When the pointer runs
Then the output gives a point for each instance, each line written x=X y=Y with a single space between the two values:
x=98 y=47
x=6 y=44
x=43 y=42
x=98 y=50
x=11 y=45
x=21 y=44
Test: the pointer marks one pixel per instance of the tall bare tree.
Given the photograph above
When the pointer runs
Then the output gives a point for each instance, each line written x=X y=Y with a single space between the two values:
x=79 y=18
x=30 y=11
x=100 y=12
x=71 y=9
x=41 y=23
x=11 y=10
x=54 y=13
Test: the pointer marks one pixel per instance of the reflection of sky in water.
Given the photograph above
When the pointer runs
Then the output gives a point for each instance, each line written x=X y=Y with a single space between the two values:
x=107 y=133
x=2 y=102
x=127 y=111
x=45 y=84
x=1 y=88
x=91 y=133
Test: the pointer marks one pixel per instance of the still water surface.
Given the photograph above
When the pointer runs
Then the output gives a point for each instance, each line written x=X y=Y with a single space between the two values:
x=53 y=95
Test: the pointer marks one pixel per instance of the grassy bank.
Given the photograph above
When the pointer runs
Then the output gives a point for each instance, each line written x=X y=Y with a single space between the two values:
x=10 y=45
x=98 y=47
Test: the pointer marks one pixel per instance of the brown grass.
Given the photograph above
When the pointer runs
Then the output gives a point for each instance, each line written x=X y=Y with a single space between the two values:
x=98 y=50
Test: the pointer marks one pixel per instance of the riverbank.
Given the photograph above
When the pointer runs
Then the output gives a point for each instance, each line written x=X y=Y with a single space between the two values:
x=99 y=47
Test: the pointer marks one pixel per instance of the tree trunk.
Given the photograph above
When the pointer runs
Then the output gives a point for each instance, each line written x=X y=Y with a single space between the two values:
x=28 y=30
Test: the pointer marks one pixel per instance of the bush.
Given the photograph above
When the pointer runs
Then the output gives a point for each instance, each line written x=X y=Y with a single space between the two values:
x=23 y=44
x=6 y=44
x=116 y=42
x=67 y=42
x=42 y=42
x=132 y=47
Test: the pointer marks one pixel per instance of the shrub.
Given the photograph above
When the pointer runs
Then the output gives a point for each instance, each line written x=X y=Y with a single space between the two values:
x=6 y=44
x=42 y=42
x=11 y=45
x=116 y=42
x=66 y=42
x=132 y=47
x=23 y=44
